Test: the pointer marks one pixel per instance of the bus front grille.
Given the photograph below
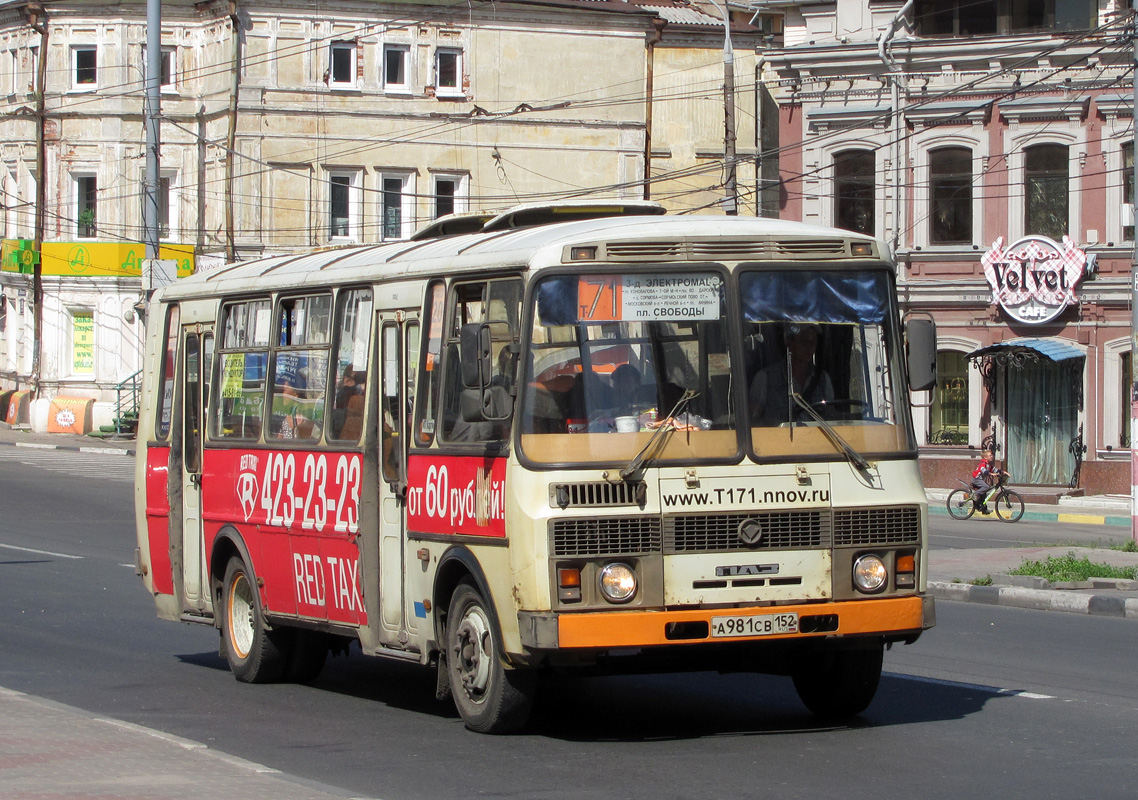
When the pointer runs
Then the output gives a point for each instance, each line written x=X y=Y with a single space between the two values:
x=599 y=536
x=877 y=526
x=767 y=530
x=738 y=531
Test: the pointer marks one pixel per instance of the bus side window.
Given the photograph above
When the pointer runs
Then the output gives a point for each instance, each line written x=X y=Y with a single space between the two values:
x=166 y=382
x=496 y=303
x=353 y=330
x=242 y=365
x=426 y=407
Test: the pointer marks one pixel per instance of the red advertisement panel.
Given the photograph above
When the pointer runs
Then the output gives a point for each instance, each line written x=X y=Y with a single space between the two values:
x=158 y=518
x=299 y=515
x=456 y=495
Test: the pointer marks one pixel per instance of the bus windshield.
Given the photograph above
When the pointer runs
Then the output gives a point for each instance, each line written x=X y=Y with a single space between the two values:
x=611 y=356
x=614 y=353
x=821 y=341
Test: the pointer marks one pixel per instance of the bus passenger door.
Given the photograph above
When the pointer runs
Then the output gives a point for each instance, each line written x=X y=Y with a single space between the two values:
x=197 y=357
x=398 y=345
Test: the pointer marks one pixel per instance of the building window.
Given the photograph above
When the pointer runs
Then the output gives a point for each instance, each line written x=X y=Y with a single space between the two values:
x=166 y=65
x=84 y=67
x=950 y=187
x=164 y=208
x=342 y=70
x=395 y=220
x=948 y=417
x=979 y=17
x=448 y=72
x=86 y=206
x=343 y=205
x=1127 y=384
x=82 y=342
x=397 y=68
x=1046 y=191
x=448 y=191
x=854 y=191
x=1128 y=191
x=34 y=70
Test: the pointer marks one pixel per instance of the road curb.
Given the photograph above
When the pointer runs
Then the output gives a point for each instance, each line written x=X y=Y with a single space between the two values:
x=72 y=448
x=1052 y=516
x=1103 y=605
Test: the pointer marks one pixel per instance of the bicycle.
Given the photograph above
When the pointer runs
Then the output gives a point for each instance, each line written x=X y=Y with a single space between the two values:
x=1007 y=504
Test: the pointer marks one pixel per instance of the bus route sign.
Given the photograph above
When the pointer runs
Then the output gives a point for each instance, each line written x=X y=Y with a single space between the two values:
x=648 y=297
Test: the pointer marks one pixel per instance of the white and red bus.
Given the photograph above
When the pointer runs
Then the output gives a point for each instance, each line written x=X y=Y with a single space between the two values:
x=579 y=437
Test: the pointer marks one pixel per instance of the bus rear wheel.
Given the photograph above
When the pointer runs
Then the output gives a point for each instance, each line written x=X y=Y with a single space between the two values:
x=255 y=654
x=489 y=697
x=838 y=684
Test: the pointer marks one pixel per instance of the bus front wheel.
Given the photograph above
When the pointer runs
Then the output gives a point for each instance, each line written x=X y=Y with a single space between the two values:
x=838 y=684
x=489 y=697
x=254 y=653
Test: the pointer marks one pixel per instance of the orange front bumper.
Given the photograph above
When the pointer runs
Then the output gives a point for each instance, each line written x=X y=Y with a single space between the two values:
x=646 y=628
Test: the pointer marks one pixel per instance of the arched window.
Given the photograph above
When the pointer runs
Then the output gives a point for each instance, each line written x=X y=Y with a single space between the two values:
x=1046 y=190
x=854 y=200
x=950 y=190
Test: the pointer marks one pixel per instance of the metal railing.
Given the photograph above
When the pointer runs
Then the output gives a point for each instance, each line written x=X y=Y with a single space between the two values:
x=128 y=394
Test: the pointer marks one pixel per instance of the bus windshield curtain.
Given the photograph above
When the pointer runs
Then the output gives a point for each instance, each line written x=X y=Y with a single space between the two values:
x=834 y=297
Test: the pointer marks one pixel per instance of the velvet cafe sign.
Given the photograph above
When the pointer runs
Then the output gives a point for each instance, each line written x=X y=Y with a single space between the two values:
x=1034 y=279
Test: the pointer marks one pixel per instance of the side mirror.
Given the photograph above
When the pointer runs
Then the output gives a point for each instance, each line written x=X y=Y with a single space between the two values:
x=474 y=352
x=920 y=352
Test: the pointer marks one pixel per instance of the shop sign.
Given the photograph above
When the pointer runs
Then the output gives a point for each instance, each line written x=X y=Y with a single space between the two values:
x=1034 y=279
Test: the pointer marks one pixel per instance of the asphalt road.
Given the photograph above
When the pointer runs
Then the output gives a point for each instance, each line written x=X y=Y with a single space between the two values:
x=992 y=702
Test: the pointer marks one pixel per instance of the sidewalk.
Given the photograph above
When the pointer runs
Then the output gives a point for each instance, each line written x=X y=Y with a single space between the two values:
x=49 y=750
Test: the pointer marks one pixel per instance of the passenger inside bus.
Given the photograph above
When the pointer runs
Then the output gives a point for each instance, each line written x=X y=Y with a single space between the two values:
x=622 y=411
x=771 y=403
x=348 y=408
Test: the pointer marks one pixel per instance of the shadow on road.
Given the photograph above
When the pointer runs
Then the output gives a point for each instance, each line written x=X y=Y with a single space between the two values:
x=648 y=707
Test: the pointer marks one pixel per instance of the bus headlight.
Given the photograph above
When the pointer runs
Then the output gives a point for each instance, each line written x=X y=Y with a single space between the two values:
x=618 y=582
x=869 y=574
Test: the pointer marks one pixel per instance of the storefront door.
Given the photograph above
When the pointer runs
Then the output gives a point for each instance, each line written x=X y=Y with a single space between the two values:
x=1042 y=419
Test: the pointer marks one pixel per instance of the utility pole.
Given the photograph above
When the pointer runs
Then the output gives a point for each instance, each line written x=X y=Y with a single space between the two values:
x=1134 y=306
x=150 y=116
x=731 y=199
x=39 y=25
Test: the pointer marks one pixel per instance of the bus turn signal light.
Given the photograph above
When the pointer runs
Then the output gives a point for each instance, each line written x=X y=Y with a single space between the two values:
x=569 y=584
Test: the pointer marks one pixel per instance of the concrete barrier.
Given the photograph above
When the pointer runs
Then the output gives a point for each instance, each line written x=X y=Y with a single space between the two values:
x=70 y=415
x=18 y=409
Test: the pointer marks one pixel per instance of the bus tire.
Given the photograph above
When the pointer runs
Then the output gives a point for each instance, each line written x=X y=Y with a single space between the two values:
x=838 y=684
x=489 y=697
x=255 y=654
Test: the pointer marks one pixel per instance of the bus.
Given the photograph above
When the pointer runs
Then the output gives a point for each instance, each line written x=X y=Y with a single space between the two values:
x=586 y=437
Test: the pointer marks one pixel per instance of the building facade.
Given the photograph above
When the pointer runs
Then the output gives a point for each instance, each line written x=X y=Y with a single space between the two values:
x=991 y=144
x=288 y=126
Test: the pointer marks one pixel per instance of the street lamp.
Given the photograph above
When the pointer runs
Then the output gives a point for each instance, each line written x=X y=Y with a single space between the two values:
x=731 y=200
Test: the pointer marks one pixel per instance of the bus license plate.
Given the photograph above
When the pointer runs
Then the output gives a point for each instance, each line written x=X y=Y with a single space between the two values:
x=757 y=625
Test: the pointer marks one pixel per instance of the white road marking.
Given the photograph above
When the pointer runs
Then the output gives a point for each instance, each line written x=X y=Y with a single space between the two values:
x=39 y=552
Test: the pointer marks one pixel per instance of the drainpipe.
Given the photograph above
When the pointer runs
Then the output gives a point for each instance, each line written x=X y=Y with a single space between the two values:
x=231 y=138
x=884 y=52
x=38 y=22
x=657 y=36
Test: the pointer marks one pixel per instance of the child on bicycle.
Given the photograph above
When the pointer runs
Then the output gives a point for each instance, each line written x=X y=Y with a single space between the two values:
x=984 y=477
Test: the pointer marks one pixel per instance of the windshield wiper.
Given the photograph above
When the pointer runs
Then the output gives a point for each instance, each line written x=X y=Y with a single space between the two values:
x=855 y=458
x=669 y=424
